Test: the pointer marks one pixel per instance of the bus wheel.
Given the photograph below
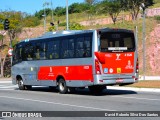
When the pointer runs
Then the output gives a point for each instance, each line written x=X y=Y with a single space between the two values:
x=72 y=89
x=28 y=87
x=20 y=84
x=97 y=89
x=63 y=89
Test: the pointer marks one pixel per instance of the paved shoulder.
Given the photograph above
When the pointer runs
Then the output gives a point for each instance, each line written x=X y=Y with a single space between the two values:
x=7 y=85
x=134 y=89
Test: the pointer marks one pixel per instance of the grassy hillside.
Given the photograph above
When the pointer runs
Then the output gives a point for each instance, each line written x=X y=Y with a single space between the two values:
x=151 y=23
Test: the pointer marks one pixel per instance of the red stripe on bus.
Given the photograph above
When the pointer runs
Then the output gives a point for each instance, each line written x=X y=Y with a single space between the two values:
x=68 y=72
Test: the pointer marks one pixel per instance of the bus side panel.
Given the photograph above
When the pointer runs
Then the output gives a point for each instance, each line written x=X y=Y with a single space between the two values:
x=83 y=72
x=27 y=71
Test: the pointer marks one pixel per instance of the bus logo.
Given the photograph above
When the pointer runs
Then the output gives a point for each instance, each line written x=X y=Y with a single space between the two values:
x=111 y=70
x=66 y=69
x=86 y=67
x=105 y=70
x=118 y=55
x=118 y=70
x=50 y=69
x=129 y=65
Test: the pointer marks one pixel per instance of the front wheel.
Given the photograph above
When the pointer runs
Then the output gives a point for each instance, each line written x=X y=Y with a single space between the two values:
x=28 y=87
x=20 y=84
x=63 y=89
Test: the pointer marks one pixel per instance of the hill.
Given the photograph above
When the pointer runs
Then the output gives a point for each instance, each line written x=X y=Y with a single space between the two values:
x=124 y=21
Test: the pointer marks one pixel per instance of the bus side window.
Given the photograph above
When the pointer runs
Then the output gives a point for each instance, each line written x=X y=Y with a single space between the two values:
x=17 y=54
x=40 y=51
x=67 y=50
x=52 y=49
x=37 y=54
x=83 y=46
x=28 y=52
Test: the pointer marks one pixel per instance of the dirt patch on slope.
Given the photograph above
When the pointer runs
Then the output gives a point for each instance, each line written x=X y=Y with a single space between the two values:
x=153 y=51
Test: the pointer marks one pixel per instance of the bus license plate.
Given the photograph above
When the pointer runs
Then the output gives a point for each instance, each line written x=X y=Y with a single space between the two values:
x=119 y=80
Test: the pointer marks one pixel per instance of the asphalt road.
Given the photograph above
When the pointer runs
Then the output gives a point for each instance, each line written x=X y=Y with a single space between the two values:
x=45 y=99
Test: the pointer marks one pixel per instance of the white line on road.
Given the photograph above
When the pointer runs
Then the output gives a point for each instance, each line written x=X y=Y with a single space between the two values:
x=8 y=87
x=63 y=104
x=137 y=98
x=5 y=89
x=5 y=81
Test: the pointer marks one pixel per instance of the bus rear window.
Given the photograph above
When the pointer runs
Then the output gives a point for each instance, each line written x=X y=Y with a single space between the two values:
x=117 y=41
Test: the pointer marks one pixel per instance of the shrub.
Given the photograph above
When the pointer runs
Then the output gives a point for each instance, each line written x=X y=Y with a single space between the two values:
x=76 y=26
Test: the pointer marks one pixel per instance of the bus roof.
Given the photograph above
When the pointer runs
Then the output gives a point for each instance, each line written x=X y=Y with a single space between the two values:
x=58 y=34
x=74 y=32
x=114 y=30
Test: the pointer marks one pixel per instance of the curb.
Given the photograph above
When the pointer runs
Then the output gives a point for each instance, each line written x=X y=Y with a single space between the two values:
x=5 y=79
x=135 y=89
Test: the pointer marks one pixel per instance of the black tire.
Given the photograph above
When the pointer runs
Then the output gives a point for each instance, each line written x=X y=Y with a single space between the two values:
x=72 y=89
x=20 y=84
x=28 y=87
x=97 y=89
x=63 y=89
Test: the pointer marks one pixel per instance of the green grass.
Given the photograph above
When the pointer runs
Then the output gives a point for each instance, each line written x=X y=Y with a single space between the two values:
x=156 y=5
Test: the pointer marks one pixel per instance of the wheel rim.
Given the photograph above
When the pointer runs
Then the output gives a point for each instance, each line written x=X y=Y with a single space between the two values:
x=61 y=86
x=20 y=83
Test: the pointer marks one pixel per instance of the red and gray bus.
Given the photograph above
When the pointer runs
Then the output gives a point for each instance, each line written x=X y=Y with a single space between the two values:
x=76 y=59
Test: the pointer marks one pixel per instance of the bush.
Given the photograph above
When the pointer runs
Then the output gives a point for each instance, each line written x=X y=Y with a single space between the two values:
x=31 y=22
x=52 y=28
x=62 y=24
x=157 y=18
x=76 y=26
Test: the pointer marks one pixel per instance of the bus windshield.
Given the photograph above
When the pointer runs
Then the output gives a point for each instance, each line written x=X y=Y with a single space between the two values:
x=117 y=41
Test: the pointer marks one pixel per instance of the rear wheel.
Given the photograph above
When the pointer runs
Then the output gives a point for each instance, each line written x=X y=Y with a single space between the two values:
x=72 y=89
x=63 y=89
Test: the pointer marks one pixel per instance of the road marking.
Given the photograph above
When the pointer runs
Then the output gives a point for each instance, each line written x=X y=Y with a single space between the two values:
x=13 y=86
x=5 y=89
x=5 y=81
x=137 y=98
x=56 y=103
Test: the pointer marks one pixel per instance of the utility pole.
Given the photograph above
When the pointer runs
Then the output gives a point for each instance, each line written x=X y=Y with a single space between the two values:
x=67 y=14
x=144 y=40
x=52 y=11
x=44 y=15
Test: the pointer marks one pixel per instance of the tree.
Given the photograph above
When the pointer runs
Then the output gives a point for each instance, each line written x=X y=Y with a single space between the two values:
x=2 y=45
x=60 y=11
x=113 y=8
x=15 y=27
x=40 y=14
x=91 y=10
x=90 y=2
x=16 y=24
x=74 y=8
x=1 y=60
x=133 y=6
